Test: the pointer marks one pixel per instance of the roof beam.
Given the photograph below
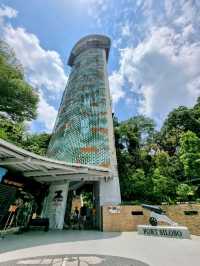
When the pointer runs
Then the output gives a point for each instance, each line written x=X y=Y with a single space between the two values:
x=53 y=172
x=77 y=185
x=53 y=165
x=9 y=161
x=81 y=177
x=28 y=160
x=98 y=173
x=10 y=152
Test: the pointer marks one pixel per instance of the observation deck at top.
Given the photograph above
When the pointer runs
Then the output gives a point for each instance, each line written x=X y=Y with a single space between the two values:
x=90 y=41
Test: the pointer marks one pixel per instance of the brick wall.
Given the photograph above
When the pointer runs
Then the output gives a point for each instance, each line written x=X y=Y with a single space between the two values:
x=125 y=221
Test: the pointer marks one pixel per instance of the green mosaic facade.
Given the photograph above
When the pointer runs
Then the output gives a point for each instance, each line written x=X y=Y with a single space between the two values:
x=81 y=132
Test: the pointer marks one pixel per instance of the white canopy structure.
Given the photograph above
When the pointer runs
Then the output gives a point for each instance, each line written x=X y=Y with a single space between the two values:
x=43 y=169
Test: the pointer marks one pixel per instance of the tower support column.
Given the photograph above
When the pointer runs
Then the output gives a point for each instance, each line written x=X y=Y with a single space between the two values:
x=109 y=192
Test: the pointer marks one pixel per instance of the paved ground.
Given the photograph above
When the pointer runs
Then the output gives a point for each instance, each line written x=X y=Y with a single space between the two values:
x=83 y=248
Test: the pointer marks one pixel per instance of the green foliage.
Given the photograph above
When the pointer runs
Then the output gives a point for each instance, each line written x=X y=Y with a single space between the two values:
x=153 y=164
x=87 y=199
x=162 y=161
x=15 y=132
x=145 y=127
x=11 y=131
x=160 y=184
x=163 y=186
x=134 y=162
x=190 y=154
x=185 y=192
x=18 y=99
x=18 y=103
x=136 y=183
x=179 y=120
x=131 y=136
x=37 y=143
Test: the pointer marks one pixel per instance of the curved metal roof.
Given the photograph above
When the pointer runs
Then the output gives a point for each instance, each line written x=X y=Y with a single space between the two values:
x=43 y=169
x=90 y=41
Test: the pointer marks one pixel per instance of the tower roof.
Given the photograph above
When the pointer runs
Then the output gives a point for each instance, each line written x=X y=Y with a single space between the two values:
x=90 y=41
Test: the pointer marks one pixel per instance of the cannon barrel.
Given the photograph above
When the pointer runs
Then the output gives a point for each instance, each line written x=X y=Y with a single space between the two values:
x=155 y=209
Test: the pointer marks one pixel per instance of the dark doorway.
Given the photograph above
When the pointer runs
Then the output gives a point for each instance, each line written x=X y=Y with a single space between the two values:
x=83 y=211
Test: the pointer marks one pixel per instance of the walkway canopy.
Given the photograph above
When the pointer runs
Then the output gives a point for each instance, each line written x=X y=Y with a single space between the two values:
x=43 y=169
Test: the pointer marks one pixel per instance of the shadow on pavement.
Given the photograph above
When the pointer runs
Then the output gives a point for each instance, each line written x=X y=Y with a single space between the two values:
x=35 y=238
x=78 y=260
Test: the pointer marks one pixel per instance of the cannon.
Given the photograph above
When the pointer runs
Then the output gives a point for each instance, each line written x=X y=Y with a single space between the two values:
x=158 y=215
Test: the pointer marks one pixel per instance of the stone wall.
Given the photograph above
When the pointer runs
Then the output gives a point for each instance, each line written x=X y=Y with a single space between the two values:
x=125 y=221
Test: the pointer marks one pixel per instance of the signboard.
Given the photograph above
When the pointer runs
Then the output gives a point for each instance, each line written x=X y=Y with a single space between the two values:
x=58 y=198
x=114 y=209
x=3 y=171
x=164 y=231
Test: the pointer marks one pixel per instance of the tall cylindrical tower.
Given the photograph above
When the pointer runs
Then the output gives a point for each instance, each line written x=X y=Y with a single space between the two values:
x=83 y=131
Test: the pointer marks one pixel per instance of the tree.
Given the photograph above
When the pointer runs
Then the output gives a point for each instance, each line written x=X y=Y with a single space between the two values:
x=185 y=192
x=178 y=121
x=162 y=161
x=196 y=113
x=181 y=118
x=175 y=169
x=18 y=99
x=11 y=131
x=18 y=103
x=134 y=161
x=152 y=164
x=131 y=136
x=37 y=143
x=145 y=126
x=142 y=186
x=16 y=133
x=190 y=154
x=163 y=186
x=160 y=185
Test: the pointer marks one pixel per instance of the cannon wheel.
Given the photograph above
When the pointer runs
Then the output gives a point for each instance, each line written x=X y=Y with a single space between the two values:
x=153 y=221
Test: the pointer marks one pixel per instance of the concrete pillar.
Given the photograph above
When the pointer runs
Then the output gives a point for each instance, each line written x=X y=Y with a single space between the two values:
x=97 y=204
x=56 y=204
x=110 y=189
x=109 y=192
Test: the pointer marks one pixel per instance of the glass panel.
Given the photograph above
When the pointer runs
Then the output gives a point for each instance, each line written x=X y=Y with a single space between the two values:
x=81 y=131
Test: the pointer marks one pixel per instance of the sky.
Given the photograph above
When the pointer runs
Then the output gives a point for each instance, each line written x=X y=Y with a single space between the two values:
x=154 y=62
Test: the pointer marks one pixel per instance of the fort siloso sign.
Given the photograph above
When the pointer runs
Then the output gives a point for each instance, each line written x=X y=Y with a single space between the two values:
x=180 y=232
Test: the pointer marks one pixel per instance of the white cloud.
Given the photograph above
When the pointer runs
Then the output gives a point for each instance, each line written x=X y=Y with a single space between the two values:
x=6 y=11
x=164 y=70
x=95 y=9
x=186 y=12
x=160 y=62
x=46 y=113
x=116 y=86
x=116 y=43
x=125 y=30
x=161 y=58
x=43 y=68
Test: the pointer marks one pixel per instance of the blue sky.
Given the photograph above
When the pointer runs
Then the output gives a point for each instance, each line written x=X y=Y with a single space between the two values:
x=154 y=60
